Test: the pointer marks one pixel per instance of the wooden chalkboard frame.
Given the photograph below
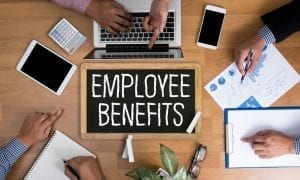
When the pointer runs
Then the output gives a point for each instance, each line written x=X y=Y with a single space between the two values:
x=139 y=65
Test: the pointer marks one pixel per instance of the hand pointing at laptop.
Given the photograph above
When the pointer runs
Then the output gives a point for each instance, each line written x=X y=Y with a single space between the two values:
x=156 y=21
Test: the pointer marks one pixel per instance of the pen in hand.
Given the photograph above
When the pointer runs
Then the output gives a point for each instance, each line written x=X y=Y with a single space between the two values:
x=248 y=63
x=71 y=169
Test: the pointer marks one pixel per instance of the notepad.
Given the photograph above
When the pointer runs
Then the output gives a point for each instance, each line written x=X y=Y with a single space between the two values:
x=246 y=122
x=49 y=164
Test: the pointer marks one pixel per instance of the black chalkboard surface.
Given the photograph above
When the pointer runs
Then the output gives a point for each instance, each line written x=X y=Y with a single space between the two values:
x=126 y=99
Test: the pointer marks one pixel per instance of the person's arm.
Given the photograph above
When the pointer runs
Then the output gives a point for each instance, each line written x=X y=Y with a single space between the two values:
x=269 y=144
x=77 y=5
x=263 y=37
x=108 y=13
x=9 y=154
x=279 y=24
x=156 y=21
x=256 y=44
x=283 y=21
x=35 y=128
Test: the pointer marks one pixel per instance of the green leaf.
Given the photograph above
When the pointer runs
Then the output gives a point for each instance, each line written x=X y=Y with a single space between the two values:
x=142 y=173
x=151 y=178
x=146 y=178
x=189 y=177
x=134 y=174
x=168 y=159
x=180 y=175
x=167 y=178
x=148 y=174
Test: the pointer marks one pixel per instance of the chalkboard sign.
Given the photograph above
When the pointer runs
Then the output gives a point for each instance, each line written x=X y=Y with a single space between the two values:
x=138 y=98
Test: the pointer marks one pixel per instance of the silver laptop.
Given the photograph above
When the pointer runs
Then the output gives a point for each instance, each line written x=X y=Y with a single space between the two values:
x=133 y=44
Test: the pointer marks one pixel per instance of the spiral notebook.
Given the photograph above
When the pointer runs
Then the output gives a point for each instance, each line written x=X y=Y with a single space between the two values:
x=49 y=165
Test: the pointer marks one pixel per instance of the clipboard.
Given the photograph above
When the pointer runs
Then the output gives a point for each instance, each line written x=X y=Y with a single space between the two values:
x=239 y=123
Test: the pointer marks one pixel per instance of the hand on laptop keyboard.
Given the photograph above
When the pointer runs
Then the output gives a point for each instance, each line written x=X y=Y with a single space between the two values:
x=157 y=19
x=110 y=15
x=137 y=34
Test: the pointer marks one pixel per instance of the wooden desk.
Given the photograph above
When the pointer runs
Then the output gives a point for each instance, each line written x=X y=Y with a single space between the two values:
x=24 y=20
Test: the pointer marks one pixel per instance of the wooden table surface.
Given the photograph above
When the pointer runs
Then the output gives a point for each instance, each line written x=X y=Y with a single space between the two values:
x=24 y=20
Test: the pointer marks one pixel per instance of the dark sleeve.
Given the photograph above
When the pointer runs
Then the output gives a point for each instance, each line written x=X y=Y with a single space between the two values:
x=284 y=21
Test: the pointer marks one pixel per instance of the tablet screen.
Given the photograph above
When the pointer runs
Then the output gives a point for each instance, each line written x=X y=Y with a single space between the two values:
x=46 y=67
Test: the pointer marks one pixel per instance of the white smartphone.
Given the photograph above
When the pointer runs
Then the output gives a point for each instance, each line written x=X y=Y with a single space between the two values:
x=211 y=27
x=46 y=67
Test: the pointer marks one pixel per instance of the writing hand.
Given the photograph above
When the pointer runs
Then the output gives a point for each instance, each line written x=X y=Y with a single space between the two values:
x=156 y=21
x=268 y=144
x=110 y=15
x=256 y=44
x=37 y=127
x=86 y=167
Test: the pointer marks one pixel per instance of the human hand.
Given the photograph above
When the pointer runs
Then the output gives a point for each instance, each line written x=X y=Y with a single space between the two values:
x=110 y=15
x=86 y=167
x=37 y=127
x=156 y=21
x=268 y=144
x=257 y=44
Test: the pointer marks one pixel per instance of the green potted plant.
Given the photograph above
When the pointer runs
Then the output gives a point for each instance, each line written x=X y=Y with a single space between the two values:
x=170 y=172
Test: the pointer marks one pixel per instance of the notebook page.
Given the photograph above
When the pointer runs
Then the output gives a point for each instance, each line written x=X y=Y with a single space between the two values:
x=247 y=122
x=49 y=164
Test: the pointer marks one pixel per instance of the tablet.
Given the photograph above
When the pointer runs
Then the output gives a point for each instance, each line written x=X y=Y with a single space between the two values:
x=45 y=67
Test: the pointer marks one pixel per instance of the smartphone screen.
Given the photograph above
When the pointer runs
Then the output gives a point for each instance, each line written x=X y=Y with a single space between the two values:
x=211 y=27
x=46 y=67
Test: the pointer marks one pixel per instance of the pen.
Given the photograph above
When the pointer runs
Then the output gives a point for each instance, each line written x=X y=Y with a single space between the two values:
x=248 y=62
x=71 y=169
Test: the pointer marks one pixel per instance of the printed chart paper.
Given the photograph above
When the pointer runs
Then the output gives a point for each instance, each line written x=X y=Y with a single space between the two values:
x=271 y=79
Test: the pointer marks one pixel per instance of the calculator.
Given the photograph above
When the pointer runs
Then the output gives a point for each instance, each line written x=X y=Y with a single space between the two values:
x=67 y=36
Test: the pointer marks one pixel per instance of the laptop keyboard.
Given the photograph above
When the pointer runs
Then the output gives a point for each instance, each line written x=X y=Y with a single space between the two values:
x=136 y=33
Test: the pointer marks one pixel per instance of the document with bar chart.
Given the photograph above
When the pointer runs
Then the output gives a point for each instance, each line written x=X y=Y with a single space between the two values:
x=271 y=79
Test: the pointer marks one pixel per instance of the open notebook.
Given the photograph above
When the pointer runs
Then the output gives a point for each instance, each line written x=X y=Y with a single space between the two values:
x=49 y=165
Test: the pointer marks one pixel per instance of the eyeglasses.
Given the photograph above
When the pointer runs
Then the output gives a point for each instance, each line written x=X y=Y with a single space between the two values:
x=194 y=169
